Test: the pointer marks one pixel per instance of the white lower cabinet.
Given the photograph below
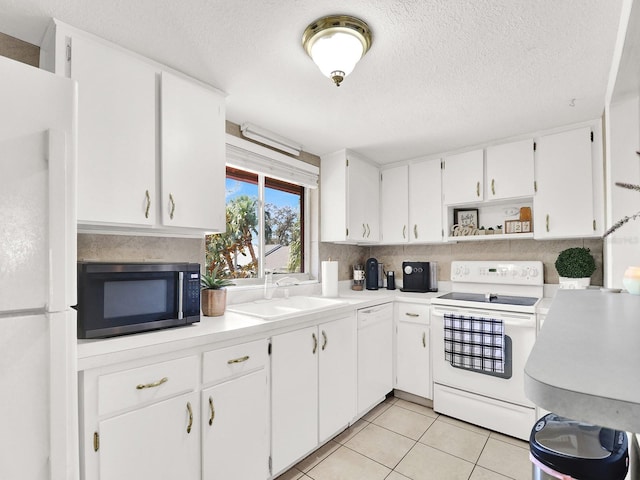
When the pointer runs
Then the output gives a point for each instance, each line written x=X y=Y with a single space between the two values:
x=313 y=381
x=234 y=429
x=413 y=357
x=161 y=441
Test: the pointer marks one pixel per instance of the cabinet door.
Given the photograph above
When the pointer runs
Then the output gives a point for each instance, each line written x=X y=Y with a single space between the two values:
x=234 y=429
x=294 y=396
x=510 y=170
x=193 y=155
x=152 y=442
x=413 y=359
x=394 y=204
x=425 y=201
x=563 y=203
x=462 y=178
x=116 y=135
x=363 y=200
x=337 y=376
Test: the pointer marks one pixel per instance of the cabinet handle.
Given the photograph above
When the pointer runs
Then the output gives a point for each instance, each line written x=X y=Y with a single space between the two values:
x=324 y=340
x=415 y=231
x=190 y=417
x=478 y=189
x=148 y=198
x=547 y=222
x=142 y=386
x=493 y=186
x=424 y=339
x=212 y=411
x=368 y=230
x=173 y=206
x=96 y=441
x=238 y=360
x=364 y=230
x=315 y=343
x=409 y=314
x=404 y=231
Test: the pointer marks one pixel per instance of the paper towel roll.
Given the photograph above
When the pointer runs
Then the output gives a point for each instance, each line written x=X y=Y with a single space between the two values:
x=329 y=279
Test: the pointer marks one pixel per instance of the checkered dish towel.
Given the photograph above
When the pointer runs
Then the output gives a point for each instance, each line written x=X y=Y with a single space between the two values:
x=474 y=343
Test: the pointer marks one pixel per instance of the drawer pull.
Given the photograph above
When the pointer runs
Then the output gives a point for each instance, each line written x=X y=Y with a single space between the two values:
x=238 y=360
x=315 y=343
x=424 y=339
x=142 y=386
x=173 y=206
x=190 y=417
x=324 y=340
x=409 y=314
x=212 y=410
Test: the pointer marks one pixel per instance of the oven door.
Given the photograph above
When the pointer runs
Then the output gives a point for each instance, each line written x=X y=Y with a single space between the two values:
x=520 y=335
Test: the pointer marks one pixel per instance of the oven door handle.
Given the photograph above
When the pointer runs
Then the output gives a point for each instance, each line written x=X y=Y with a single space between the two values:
x=511 y=320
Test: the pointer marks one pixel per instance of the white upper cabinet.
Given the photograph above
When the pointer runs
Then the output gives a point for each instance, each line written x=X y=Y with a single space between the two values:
x=463 y=178
x=349 y=199
x=116 y=135
x=564 y=200
x=394 y=204
x=509 y=170
x=193 y=155
x=425 y=202
x=151 y=146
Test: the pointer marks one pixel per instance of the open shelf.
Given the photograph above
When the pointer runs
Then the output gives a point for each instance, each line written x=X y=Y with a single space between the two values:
x=500 y=236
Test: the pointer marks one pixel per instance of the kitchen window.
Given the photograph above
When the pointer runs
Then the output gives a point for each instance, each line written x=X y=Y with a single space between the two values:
x=266 y=215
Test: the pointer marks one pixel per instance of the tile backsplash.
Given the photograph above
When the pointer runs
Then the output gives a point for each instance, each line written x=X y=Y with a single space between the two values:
x=392 y=256
x=130 y=248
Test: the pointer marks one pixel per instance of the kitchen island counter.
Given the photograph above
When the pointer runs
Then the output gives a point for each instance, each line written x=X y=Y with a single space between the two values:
x=584 y=364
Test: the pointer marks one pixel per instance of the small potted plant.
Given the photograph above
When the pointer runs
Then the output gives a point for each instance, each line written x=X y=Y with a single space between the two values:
x=214 y=295
x=498 y=229
x=575 y=267
x=481 y=231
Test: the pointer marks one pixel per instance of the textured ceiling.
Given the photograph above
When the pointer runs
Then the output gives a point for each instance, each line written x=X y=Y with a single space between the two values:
x=441 y=74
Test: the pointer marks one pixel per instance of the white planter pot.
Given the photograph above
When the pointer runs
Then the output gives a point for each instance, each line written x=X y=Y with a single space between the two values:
x=574 y=283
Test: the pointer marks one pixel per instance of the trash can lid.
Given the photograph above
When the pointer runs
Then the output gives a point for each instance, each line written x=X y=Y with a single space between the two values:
x=579 y=449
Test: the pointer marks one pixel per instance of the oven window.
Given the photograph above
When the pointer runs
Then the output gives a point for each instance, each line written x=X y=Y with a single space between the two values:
x=128 y=298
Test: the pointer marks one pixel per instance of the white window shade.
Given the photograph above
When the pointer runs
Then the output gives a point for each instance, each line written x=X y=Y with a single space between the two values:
x=256 y=158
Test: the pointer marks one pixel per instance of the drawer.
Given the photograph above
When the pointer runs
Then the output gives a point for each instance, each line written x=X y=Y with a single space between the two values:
x=151 y=383
x=414 y=313
x=218 y=365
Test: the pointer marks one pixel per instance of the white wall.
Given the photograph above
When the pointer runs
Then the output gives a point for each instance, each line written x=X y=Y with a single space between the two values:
x=622 y=248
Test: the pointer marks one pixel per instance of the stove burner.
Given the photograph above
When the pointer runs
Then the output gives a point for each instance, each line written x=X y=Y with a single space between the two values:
x=490 y=298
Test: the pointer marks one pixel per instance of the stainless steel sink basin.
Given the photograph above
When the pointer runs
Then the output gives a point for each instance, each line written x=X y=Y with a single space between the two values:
x=282 y=307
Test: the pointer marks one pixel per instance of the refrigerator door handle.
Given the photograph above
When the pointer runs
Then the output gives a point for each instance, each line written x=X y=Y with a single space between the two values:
x=180 y=290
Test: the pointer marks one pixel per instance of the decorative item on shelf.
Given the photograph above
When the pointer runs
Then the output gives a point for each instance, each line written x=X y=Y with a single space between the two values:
x=512 y=226
x=481 y=231
x=498 y=230
x=490 y=231
x=525 y=214
x=526 y=226
x=464 y=230
x=467 y=217
x=575 y=267
x=631 y=280
x=214 y=295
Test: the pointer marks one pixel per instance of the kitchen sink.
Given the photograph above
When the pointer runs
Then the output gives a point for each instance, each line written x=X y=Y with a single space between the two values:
x=277 y=308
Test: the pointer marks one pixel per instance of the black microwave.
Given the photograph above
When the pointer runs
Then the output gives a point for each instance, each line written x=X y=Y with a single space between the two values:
x=122 y=298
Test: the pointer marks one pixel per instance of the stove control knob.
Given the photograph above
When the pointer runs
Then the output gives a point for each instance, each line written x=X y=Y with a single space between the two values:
x=408 y=269
x=533 y=272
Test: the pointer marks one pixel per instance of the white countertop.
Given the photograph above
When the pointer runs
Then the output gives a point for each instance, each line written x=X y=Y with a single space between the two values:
x=585 y=362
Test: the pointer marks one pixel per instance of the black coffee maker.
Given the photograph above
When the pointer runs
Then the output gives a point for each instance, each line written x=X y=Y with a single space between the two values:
x=371 y=274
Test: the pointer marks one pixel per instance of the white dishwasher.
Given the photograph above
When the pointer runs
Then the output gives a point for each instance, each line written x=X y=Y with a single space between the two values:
x=375 y=355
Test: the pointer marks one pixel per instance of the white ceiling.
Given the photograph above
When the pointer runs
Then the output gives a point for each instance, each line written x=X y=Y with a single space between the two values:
x=441 y=75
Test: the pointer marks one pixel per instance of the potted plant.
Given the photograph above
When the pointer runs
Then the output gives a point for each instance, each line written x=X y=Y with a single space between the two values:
x=498 y=229
x=214 y=295
x=575 y=267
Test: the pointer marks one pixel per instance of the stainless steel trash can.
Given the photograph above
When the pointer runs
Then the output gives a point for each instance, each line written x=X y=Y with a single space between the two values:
x=568 y=449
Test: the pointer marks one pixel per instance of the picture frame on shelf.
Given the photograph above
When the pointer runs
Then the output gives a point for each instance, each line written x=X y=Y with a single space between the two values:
x=467 y=217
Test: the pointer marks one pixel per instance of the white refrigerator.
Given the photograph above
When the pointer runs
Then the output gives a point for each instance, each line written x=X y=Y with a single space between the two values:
x=38 y=377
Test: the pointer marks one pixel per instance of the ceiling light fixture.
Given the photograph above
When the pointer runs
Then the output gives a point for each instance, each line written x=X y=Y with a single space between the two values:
x=266 y=137
x=336 y=43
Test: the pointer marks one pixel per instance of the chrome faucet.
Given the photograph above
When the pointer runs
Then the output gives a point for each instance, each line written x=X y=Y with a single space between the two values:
x=286 y=282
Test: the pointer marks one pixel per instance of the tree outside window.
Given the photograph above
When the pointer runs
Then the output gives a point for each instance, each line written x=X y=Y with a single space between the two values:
x=237 y=251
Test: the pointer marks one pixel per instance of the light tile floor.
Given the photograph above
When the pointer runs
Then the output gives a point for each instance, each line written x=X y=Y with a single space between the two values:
x=400 y=440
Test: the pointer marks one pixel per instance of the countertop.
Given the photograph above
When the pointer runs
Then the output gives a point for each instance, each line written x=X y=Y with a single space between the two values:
x=584 y=364
x=227 y=329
